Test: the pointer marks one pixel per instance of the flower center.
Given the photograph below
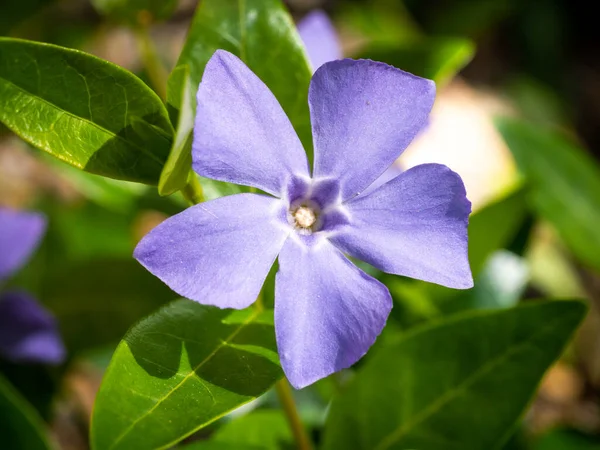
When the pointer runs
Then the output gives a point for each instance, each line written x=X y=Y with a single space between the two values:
x=304 y=217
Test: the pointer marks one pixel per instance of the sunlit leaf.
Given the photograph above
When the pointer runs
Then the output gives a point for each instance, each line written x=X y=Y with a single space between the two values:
x=432 y=387
x=175 y=173
x=185 y=366
x=83 y=110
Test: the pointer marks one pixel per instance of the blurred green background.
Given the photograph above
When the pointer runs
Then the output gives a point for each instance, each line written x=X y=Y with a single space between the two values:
x=517 y=116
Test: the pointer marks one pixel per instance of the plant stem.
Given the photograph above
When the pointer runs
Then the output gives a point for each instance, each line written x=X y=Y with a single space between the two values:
x=192 y=191
x=154 y=67
x=284 y=392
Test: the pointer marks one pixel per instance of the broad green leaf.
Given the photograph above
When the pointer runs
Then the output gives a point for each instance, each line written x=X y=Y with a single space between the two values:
x=564 y=182
x=185 y=366
x=438 y=59
x=263 y=35
x=20 y=425
x=97 y=301
x=83 y=110
x=176 y=171
x=136 y=11
x=267 y=429
x=460 y=383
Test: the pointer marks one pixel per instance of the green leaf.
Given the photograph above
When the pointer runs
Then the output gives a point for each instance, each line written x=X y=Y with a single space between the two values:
x=565 y=184
x=438 y=59
x=83 y=110
x=267 y=429
x=263 y=35
x=134 y=11
x=20 y=425
x=433 y=387
x=97 y=301
x=492 y=227
x=185 y=366
x=558 y=439
x=214 y=445
x=175 y=173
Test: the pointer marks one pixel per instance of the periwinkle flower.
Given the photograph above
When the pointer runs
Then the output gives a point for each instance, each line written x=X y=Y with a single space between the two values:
x=28 y=333
x=328 y=312
x=320 y=38
x=323 y=45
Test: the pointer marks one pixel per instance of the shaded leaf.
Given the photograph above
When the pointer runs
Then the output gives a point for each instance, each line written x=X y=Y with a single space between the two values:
x=428 y=389
x=564 y=182
x=185 y=366
x=83 y=110
x=20 y=425
x=263 y=35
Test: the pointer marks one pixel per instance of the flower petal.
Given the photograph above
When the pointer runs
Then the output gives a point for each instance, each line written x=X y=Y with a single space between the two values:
x=20 y=234
x=320 y=38
x=364 y=114
x=220 y=252
x=414 y=225
x=242 y=134
x=390 y=173
x=327 y=311
x=28 y=333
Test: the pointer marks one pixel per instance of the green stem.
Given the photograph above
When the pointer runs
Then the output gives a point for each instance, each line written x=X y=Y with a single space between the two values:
x=284 y=392
x=192 y=191
x=154 y=67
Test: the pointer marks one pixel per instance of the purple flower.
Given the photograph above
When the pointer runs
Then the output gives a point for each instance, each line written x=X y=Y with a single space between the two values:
x=320 y=38
x=327 y=311
x=28 y=333
x=322 y=45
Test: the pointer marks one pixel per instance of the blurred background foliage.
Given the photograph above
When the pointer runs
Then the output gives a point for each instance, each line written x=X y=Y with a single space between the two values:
x=517 y=115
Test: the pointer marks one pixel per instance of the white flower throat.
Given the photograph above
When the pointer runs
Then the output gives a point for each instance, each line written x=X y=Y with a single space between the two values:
x=305 y=217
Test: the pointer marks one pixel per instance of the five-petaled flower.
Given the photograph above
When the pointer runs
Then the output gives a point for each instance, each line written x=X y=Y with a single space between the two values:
x=328 y=312
x=28 y=333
